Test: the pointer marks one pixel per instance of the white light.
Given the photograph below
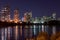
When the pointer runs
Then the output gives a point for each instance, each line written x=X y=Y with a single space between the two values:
x=42 y=28
x=34 y=29
x=54 y=30
x=2 y=35
x=42 y=21
x=5 y=33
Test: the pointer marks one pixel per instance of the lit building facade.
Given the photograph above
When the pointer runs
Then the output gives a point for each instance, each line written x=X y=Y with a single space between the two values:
x=5 y=13
x=16 y=16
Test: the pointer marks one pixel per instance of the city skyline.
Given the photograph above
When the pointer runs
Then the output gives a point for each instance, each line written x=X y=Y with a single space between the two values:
x=39 y=7
x=5 y=13
x=29 y=20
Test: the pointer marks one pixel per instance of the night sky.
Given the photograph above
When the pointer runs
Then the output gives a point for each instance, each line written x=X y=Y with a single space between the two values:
x=38 y=7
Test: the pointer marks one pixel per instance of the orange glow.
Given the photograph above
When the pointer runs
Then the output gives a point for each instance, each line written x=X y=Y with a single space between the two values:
x=15 y=20
x=16 y=32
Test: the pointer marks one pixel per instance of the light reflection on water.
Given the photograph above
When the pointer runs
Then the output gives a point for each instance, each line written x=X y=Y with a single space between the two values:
x=22 y=32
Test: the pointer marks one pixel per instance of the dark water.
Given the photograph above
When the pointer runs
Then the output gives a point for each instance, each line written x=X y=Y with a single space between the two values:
x=23 y=32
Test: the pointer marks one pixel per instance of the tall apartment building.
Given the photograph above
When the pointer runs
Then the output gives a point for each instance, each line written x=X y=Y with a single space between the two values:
x=16 y=15
x=5 y=13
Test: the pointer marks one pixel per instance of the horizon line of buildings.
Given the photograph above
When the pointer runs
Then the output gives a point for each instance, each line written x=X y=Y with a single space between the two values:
x=5 y=15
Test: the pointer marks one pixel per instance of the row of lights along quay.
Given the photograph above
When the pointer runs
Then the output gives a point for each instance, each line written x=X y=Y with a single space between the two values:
x=28 y=28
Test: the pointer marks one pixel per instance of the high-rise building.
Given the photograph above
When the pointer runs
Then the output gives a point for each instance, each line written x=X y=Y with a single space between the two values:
x=5 y=13
x=16 y=15
x=27 y=16
x=54 y=16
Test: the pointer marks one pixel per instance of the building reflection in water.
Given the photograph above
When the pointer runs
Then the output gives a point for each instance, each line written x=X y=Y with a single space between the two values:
x=16 y=32
x=2 y=34
x=6 y=33
x=25 y=32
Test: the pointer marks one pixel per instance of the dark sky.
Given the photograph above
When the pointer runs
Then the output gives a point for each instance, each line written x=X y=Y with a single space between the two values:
x=38 y=7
